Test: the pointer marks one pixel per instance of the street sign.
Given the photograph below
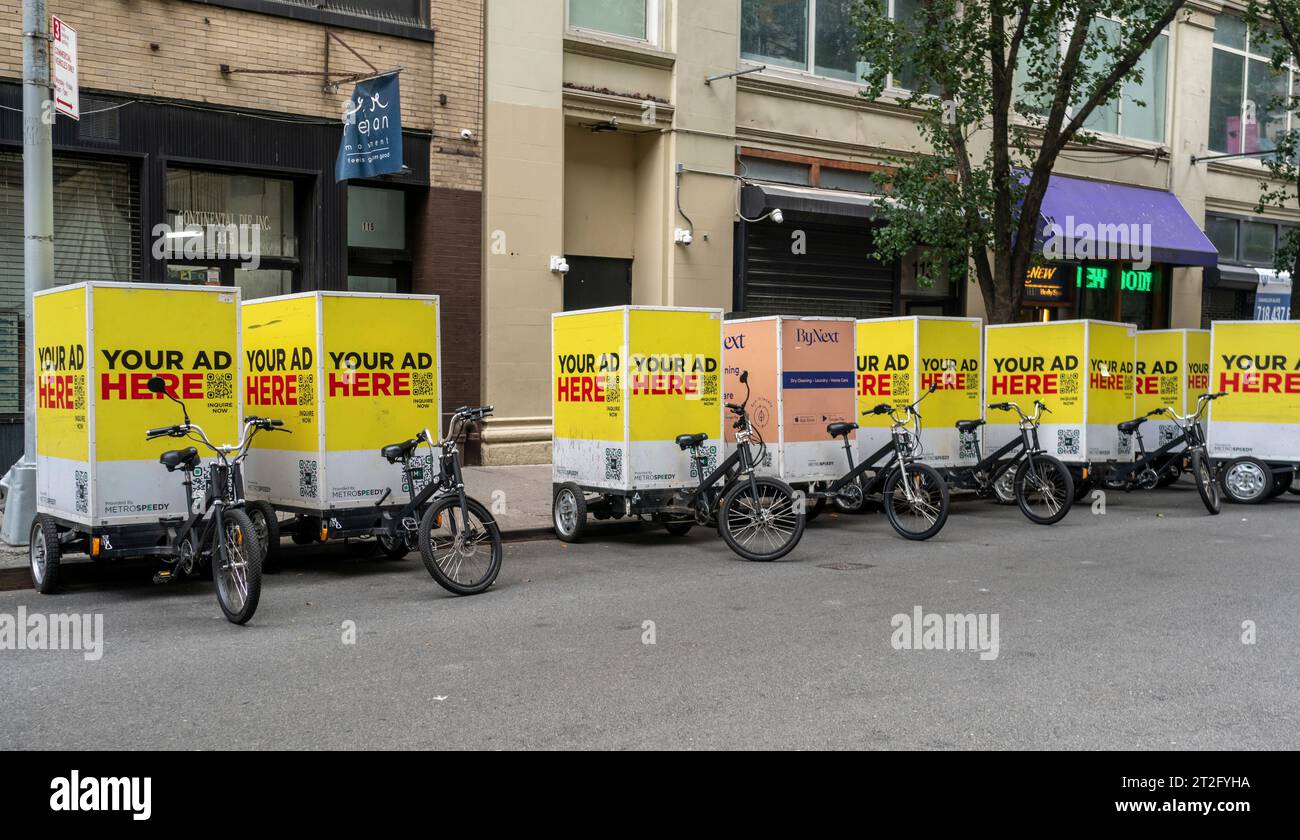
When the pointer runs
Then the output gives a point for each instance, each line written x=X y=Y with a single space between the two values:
x=64 y=60
x=1273 y=295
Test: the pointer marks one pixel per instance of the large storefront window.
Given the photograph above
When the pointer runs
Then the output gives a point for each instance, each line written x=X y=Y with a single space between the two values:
x=230 y=229
x=1245 y=91
x=96 y=234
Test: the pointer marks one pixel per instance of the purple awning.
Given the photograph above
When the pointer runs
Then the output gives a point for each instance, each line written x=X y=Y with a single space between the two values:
x=1095 y=218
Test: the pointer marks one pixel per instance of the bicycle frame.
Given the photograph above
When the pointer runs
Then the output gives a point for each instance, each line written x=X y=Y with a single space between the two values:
x=997 y=464
x=449 y=478
x=1191 y=436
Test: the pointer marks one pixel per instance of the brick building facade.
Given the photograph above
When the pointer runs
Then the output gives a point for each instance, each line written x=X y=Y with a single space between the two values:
x=192 y=108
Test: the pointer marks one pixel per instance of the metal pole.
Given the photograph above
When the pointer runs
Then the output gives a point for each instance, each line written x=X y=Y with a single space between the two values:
x=38 y=249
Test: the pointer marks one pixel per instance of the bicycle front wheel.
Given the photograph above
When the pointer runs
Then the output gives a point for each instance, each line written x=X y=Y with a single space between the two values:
x=1044 y=489
x=759 y=519
x=237 y=566
x=1205 y=483
x=918 y=508
x=461 y=548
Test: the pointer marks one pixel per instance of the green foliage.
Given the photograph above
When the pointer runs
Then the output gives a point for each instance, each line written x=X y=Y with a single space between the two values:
x=998 y=88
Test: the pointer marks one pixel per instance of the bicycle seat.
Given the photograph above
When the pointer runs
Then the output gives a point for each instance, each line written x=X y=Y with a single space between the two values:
x=394 y=452
x=969 y=425
x=691 y=441
x=174 y=459
x=837 y=429
x=1128 y=427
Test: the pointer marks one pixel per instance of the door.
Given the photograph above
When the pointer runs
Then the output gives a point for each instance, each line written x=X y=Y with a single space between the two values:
x=597 y=281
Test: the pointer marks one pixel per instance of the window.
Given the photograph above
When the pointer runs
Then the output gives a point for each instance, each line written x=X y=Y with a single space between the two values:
x=230 y=229
x=780 y=171
x=815 y=36
x=626 y=18
x=1246 y=241
x=1244 y=91
x=847 y=179
x=1139 y=113
x=97 y=237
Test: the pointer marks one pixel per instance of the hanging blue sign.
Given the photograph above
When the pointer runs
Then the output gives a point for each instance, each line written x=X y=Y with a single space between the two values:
x=372 y=130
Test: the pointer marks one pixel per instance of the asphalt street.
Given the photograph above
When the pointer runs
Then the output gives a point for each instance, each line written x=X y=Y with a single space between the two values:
x=1122 y=630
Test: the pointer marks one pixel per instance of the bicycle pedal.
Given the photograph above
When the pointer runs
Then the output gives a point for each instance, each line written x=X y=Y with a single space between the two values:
x=410 y=523
x=163 y=576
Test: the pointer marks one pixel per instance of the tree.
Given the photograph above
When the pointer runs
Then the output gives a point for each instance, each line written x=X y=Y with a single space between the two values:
x=1000 y=88
x=1281 y=20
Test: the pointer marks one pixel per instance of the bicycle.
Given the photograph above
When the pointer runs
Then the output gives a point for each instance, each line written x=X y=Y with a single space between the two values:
x=1146 y=470
x=1020 y=471
x=758 y=516
x=914 y=495
x=218 y=531
x=458 y=539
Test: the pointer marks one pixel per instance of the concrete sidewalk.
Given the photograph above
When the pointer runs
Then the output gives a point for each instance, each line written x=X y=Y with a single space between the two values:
x=519 y=498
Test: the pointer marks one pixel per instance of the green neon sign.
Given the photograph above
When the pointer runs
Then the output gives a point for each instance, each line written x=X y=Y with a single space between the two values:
x=1130 y=279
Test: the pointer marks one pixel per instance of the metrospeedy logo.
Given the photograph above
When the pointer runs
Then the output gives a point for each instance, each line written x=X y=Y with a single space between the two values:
x=130 y=794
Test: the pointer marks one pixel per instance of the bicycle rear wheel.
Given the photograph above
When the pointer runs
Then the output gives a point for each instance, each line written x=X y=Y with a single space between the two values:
x=1205 y=483
x=918 y=508
x=1044 y=489
x=758 y=519
x=460 y=548
x=237 y=574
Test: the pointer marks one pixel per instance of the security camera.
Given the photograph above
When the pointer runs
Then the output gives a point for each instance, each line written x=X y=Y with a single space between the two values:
x=682 y=236
x=559 y=265
x=778 y=216
x=466 y=134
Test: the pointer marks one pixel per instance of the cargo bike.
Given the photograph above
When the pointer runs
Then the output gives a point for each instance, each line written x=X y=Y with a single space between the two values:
x=352 y=373
x=1254 y=437
x=638 y=411
x=99 y=491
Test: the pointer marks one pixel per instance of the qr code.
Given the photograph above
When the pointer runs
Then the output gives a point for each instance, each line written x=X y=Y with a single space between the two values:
x=1168 y=432
x=421 y=474
x=1069 y=383
x=1067 y=441
x=307 y=487
x=220 y=386
x=1168 y=385
x=613 y=464
x=306 y=389
x=79 y=393
x=200 y=478
x=710 y=385
x=422 y=384
x=767 y=459
x=1126 y=444
x=902 y=383
x=710 y=454
x=82 y=481
x=968 y=445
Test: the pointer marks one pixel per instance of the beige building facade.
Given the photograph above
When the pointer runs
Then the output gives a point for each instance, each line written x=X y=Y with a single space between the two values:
x=614 y=133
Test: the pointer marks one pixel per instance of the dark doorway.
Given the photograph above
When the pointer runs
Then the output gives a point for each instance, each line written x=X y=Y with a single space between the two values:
x=597 y=281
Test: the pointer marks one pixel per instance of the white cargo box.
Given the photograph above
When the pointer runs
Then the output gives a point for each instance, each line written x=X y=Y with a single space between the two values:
x=898 y=360
x=1081 y=370
x=348 y=373
x=97 y=346
x=627 y=381
x=1257 y=363
x=800 y=379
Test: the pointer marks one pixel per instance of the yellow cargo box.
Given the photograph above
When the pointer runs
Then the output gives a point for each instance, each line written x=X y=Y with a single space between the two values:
x=97 y=346
x=627 y=381
x=1173 y=369
x=1257 y=363
x=348 y=373
x=898 y=359
x=1083 y=371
